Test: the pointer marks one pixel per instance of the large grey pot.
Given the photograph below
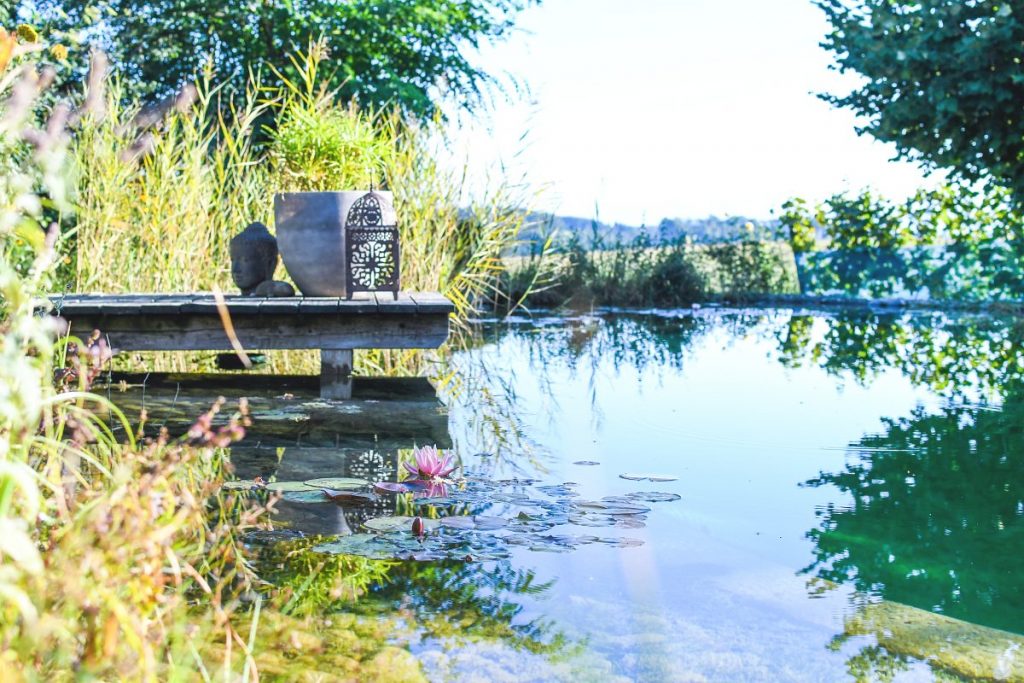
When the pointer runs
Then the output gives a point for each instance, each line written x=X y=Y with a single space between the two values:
x=310 y=230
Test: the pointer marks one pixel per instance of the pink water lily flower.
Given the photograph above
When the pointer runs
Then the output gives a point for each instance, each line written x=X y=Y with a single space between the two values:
x=430 y=463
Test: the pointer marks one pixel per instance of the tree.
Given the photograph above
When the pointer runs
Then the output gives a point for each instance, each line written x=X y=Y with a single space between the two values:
x=384 y=52
x=944 y=80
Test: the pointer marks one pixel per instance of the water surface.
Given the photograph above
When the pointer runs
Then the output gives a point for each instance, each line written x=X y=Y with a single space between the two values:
x=850 y=498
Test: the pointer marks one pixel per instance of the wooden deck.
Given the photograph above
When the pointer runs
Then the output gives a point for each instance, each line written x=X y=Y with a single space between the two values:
x=335 y=326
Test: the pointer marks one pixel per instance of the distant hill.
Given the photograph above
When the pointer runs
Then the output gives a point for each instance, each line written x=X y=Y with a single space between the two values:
x=594 y=234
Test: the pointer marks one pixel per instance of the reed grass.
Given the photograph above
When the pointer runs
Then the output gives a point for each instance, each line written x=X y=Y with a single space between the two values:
x=161 y=194
x=120 y=551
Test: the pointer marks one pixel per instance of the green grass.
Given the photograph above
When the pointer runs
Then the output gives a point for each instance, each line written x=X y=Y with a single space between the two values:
x=644 y=275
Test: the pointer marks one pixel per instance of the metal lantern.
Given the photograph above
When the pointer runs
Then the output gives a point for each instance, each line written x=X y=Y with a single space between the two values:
x=371 y=239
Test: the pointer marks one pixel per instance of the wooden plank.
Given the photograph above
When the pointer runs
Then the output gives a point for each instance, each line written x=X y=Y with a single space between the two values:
x=280 y=305
x=197 y=332
x=387 y=303
x=361 y=303
x=432 y=302
x=319 y=305
x=244 y=305
x=336 y=374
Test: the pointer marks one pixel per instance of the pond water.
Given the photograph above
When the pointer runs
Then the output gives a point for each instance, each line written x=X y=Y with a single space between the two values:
x=715 y=494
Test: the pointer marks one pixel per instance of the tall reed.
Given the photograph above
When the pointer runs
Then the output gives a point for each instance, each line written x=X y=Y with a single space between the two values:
x=163 y=192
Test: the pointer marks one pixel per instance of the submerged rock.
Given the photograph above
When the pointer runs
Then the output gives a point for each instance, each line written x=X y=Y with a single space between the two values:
x=947 y=644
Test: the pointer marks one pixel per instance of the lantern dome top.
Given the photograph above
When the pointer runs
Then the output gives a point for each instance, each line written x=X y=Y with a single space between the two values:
x=372 y=210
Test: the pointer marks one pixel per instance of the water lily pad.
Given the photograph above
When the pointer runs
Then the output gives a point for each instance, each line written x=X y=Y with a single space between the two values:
x=648 y=477
x=241 y=485
x=348 y=498
x=654 y=496
x=458 y=522
x=621 y=542
x=337 y=483
x=282 y=486
x=612 y=506
x=310 y=496
x=557 y=490
x=390 y=487
x=272 y=536
x=398 y=523
x=370 y=546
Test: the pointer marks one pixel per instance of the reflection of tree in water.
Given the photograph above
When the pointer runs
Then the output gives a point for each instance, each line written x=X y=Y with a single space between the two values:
x=949 y=354
x=630 y=340
x=467 y=600
x=449 y=599
x=937 y=515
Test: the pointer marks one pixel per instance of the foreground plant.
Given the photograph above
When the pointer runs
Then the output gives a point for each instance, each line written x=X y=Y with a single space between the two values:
x=118 y=557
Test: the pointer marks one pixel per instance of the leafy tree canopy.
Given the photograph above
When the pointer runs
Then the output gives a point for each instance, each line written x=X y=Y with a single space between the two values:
x=383 y=52
x=944 y=80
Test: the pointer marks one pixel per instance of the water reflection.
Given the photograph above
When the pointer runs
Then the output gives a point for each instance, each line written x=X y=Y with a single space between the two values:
x=920 y=527
x=952 y=355
x=463 y=601
x=937 y=515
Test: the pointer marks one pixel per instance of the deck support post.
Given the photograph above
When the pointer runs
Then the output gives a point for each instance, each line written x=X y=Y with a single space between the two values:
x=336 y=373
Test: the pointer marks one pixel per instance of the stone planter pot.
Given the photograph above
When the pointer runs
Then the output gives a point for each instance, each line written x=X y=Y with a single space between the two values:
x=310 y=229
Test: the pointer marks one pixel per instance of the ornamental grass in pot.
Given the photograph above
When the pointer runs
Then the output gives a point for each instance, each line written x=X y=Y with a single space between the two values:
x=318 y=150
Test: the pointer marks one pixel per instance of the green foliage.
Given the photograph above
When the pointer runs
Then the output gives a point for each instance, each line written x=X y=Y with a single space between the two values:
x=107 y=537
x=954 y=242
x=800 y=224
x=643 y=273
x=942 y=80
x=408 y=53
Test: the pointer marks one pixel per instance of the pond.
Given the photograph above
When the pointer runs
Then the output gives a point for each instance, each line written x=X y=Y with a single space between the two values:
x=709 y=494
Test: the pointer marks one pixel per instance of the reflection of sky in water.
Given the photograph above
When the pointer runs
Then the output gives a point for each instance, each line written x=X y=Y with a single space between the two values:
x=715 y=591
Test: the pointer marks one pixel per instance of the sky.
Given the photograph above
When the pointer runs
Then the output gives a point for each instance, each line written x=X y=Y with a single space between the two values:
x=638 y=110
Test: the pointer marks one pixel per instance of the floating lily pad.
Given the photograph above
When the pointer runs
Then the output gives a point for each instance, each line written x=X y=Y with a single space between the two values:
x=282 y=486
x=558 y=490
x=648 y=477
x=586 y=463
x=467 y=546
x=272 y=536
x=310 y=496
x=390 y=524
x=458 y=522
x=654 y=496
x=241 y=485
x=613 y=506
x=630 y=522
x=479 y=522
x=348 y=498
x=621 y=542
x=337 y=483
x=390 y=487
